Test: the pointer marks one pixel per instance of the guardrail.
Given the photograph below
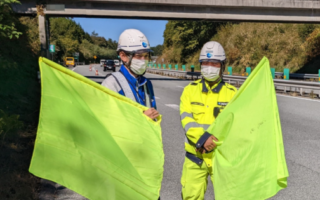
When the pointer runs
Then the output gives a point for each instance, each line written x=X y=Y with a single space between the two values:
x=297 y=75
x=280 y=84
x=285 y=75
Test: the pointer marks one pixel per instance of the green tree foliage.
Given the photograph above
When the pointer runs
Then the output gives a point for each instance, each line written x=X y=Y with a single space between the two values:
x=294 y=46
x=8 y=20
x=19 y=86
x=102 y=42
x=305 y=29
x=157 y=50
x=8 y=123
x=88 y=50
x=186 y=37
x=69 y=37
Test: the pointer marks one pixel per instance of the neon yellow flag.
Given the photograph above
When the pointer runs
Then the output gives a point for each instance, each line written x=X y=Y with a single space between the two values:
x=250 y=163
x=95 y=141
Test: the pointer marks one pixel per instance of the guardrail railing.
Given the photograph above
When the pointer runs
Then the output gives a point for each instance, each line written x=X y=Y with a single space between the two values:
x=280 y=84
x=285 y=75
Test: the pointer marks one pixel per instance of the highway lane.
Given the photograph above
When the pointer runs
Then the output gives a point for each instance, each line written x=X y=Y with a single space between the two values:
x=300 y=125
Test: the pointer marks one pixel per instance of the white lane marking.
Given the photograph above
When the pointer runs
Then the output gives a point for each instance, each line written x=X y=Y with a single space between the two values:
x=74 y=68
x=174 y=106
x=301 y=98
x=157 y=97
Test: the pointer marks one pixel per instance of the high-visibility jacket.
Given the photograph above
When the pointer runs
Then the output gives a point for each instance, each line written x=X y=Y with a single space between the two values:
x=200 y=105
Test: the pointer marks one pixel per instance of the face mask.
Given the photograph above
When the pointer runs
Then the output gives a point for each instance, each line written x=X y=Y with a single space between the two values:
x=138 y=66
x=210 y=73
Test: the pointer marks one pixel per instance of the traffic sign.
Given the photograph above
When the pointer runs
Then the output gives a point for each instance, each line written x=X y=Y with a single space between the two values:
x=52 y=48
x=76 y=55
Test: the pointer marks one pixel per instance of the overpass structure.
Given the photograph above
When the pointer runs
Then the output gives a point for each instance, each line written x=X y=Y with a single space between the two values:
x=298 y=11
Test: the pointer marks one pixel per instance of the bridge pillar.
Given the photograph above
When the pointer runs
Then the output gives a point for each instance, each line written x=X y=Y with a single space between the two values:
x=43 y=31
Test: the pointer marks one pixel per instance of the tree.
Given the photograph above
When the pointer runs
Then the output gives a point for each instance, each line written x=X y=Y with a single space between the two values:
x=7 y=19
x=184 y=38
x=157 y=50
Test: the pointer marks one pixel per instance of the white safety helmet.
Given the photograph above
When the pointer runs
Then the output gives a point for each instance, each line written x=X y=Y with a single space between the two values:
x=213 y=51
x=133 y=40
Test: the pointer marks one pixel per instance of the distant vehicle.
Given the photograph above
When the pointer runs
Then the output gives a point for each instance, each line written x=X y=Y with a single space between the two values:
x=109 y=64
x=117 y=63
x=102 y=62
x=69 y=61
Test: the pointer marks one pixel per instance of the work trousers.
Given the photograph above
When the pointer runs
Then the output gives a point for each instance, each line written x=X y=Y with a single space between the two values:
x=194 y=180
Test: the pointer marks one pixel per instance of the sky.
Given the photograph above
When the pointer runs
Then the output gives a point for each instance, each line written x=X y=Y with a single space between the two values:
x=112 y=28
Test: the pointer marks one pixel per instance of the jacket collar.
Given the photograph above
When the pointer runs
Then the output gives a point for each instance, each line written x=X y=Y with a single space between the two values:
x=140 y=80
x=216 y=87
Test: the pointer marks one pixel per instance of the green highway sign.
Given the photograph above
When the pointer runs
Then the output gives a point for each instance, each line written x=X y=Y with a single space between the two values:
x=76 y=55
x=52 y=48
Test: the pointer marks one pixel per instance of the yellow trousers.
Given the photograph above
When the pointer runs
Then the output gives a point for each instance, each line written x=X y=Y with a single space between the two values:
x=194 y=180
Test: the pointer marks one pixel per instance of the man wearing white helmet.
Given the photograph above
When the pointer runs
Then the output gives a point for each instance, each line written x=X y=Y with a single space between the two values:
x=134 y=51
x=201 y=102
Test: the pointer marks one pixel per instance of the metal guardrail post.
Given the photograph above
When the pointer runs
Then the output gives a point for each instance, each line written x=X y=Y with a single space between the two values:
x=192 y=68
x=248 y=71
x=230 y=70
x=286 y=74
x=169 y=66
x=183 y=68
x=273 y=72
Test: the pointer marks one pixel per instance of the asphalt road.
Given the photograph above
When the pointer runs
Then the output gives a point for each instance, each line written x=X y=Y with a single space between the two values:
x=300 y=119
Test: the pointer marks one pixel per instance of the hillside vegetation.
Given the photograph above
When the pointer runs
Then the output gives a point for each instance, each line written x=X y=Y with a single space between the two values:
x=294 y=46
x=69 y=37
x=19 y=102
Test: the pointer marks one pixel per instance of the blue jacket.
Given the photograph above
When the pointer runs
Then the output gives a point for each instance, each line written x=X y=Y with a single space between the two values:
x=136 y=85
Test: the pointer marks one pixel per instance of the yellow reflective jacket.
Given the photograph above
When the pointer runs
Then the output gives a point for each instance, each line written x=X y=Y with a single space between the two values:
x=199 y=107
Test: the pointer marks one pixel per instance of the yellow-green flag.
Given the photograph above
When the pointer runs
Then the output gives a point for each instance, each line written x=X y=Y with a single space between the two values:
x=95 y=141
x=250 y=163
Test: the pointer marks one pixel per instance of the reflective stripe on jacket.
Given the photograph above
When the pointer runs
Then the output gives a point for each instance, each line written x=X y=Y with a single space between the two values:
x=199 y=107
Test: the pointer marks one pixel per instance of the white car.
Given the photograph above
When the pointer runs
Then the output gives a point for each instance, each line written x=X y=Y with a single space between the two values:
x=117 y=63
x=102 y=61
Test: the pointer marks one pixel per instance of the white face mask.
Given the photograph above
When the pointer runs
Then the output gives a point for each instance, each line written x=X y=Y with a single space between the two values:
x=138 y=66
x=210 y=73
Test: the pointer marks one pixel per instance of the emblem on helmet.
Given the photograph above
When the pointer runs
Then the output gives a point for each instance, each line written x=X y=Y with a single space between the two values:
x=144 y=44
x=209 y=55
